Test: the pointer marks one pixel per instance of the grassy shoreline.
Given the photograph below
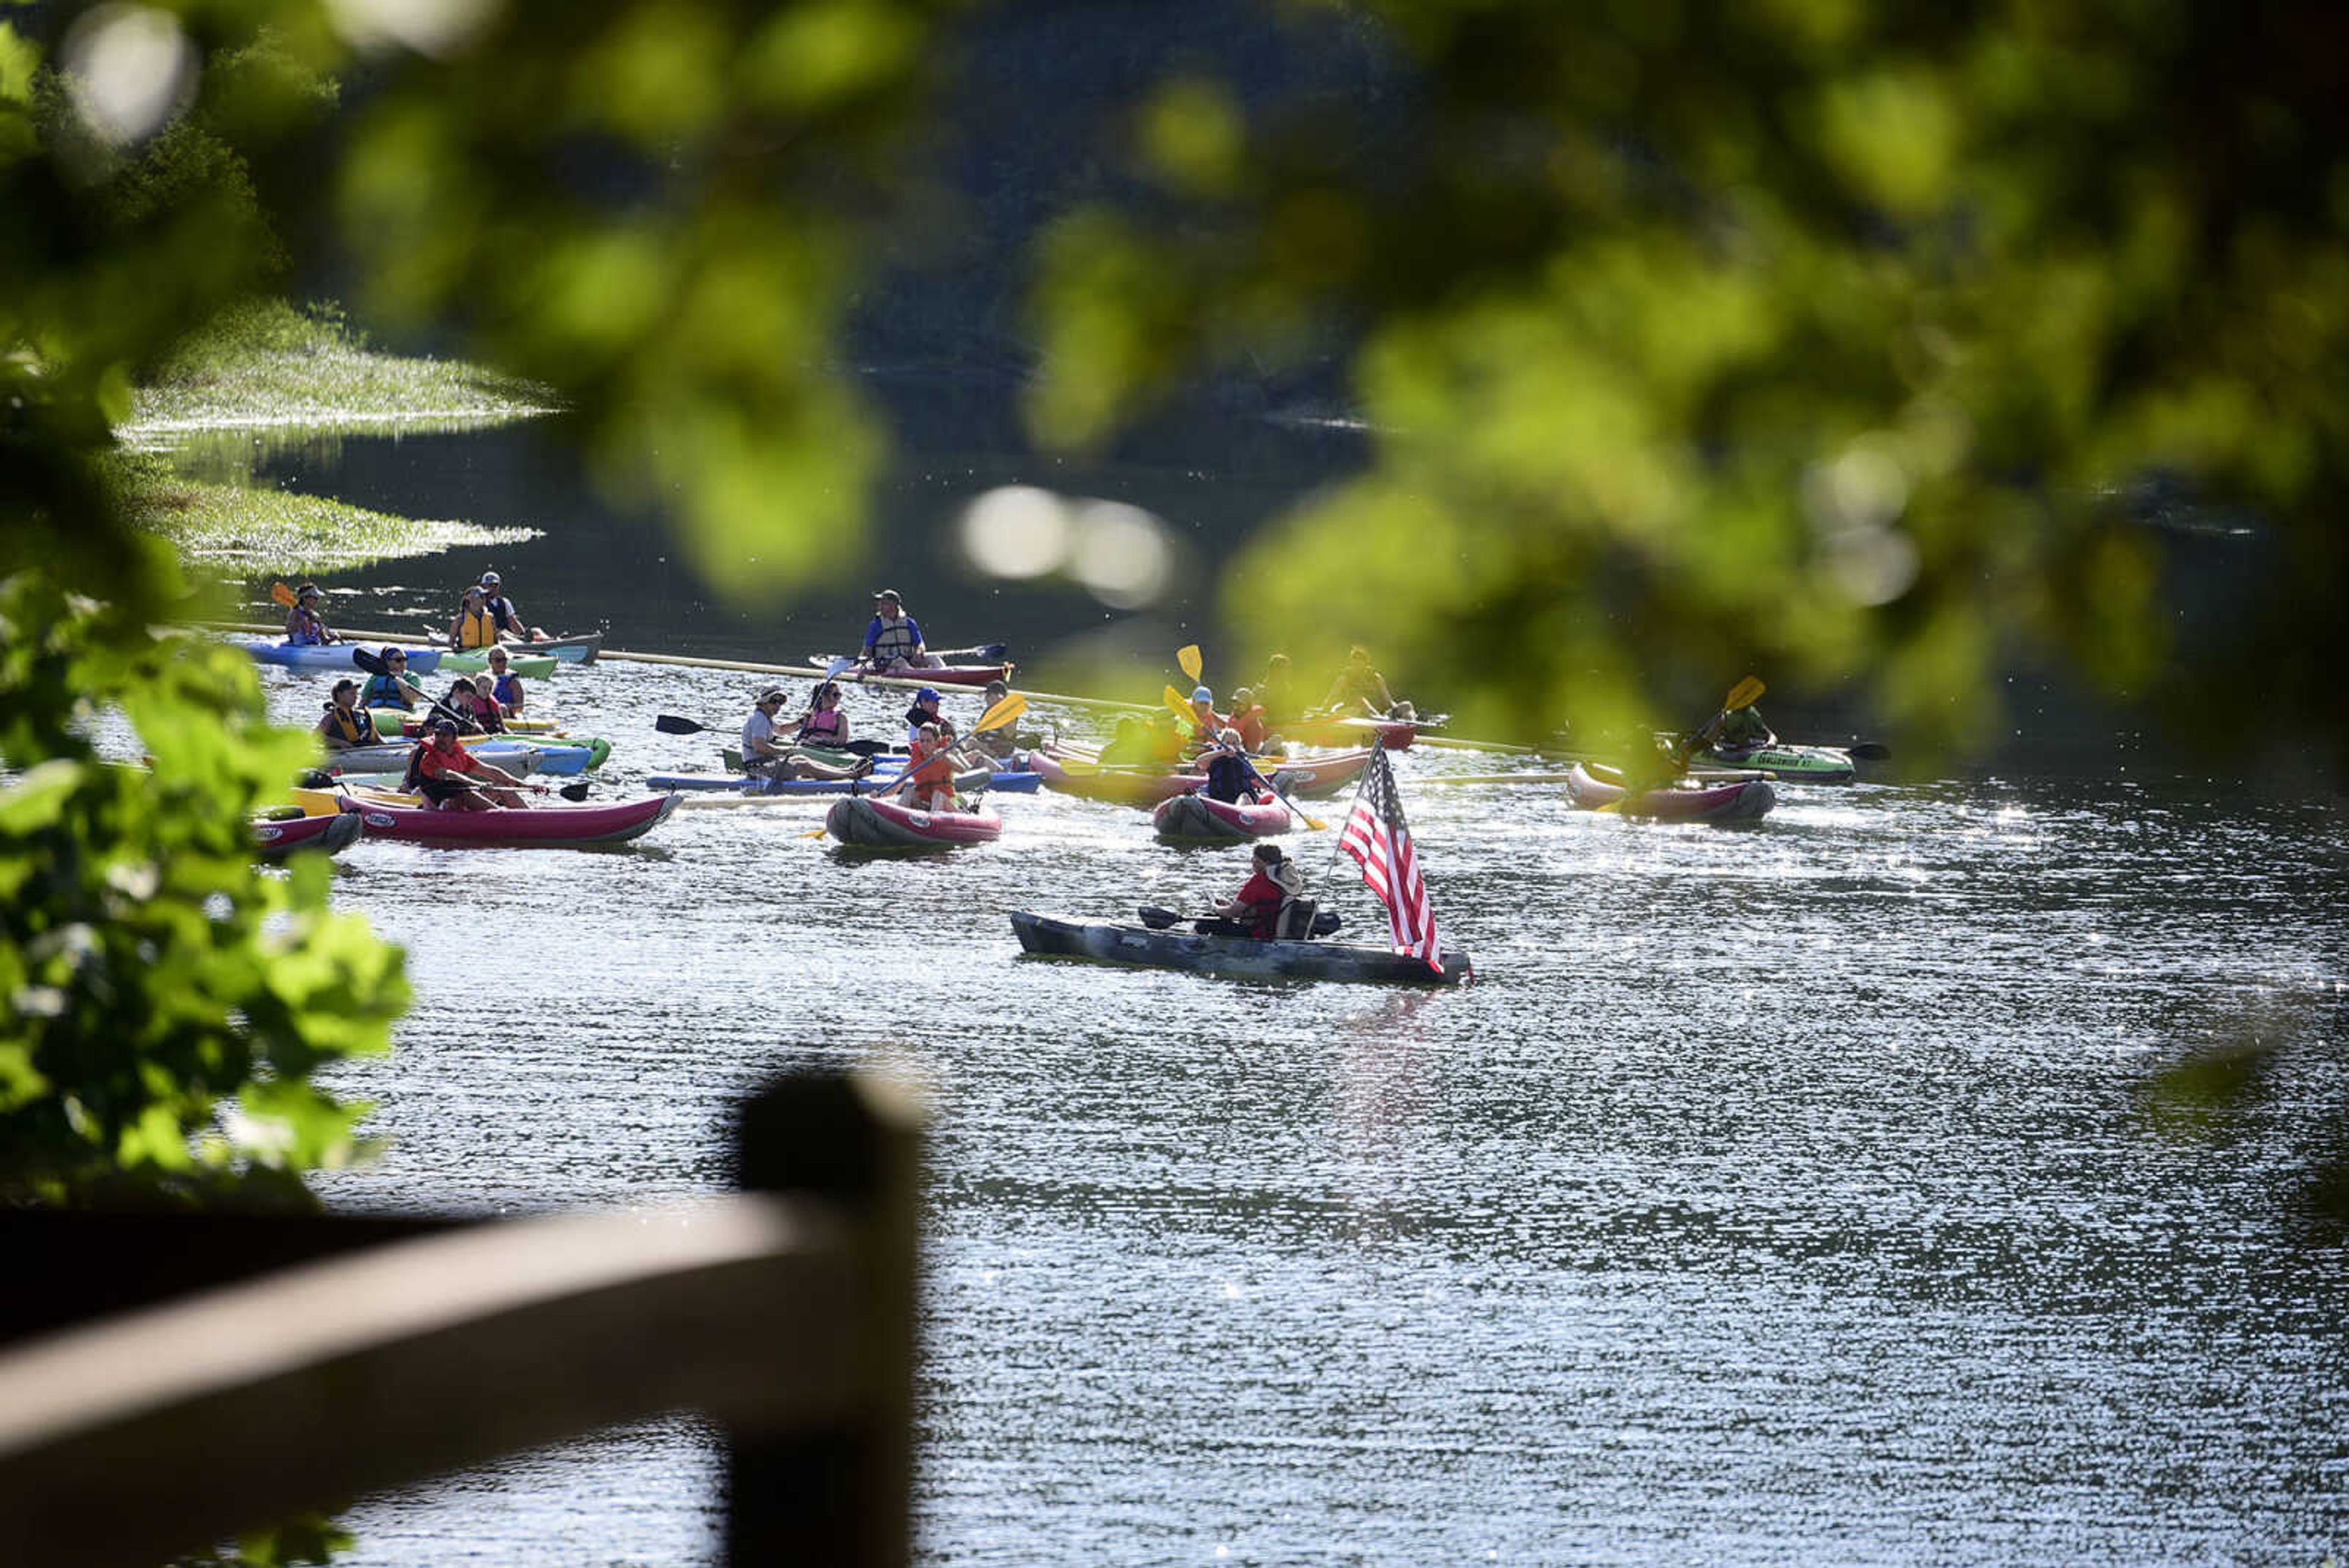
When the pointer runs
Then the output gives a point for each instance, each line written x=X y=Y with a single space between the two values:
x=266 y=366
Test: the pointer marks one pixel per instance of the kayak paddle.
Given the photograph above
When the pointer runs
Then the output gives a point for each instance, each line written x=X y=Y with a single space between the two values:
x=1187 y=656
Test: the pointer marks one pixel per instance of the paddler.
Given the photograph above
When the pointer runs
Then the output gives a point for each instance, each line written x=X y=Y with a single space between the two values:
x=1273 y=693
x=504 y=614
x=1744 y=731
x=346 y=725
x=929 y=780
x=893 y=641
x=1230 y=779
x=924 y=711
x=1248 y=718
x=303 y=625
x=994 y=746
x=1360 y=691
x=474 y=627
x=823 y=724
x=1205 y=723
x=475 y=708
x=504 y=685
x=394 y=687
x=440 y=769
x=766 y=755
x=1255 y=910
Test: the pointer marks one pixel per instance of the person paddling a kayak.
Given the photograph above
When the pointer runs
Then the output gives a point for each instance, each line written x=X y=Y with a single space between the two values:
x=766 y=754
x=893 y=640
x=1248 y=718
x=472 y=703
x=1744 y=731
x=441 y=771
x=504 y=614
x=303 y=625
x=1274 y=693
x=929 y=781
x=1229 y=777
x=1360 y=691
x=395 y=687
x=345 y=723
x=1255 y=910
x=1205 y=723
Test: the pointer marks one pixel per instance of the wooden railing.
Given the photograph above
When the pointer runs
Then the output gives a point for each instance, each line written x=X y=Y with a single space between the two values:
x=320 y=1358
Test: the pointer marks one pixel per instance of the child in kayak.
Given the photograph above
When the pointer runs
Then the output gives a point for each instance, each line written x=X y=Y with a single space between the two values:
x=475 y=708
x=1230 y=779
x=929 y=781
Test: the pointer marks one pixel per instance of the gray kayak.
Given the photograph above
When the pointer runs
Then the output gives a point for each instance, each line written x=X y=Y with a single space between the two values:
x=1241 y=956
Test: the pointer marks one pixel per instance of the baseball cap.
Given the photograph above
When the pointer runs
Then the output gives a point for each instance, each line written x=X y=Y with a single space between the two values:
x=926 y=694
x=1201 y=694
x=490 y=579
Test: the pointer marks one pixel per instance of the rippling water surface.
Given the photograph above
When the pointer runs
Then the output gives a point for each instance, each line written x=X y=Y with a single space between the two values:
x=1774 y=1196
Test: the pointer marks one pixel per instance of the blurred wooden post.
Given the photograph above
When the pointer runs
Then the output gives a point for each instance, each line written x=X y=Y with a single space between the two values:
x=843 y=1496
x=376 y=1352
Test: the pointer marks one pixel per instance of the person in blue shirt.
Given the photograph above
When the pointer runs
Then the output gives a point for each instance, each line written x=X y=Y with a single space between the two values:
x=893 y=641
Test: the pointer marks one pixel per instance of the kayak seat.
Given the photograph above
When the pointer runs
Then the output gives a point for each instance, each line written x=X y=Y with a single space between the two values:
x=1297 y=919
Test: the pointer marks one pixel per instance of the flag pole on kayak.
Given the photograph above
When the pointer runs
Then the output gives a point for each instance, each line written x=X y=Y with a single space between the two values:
x=1377 y=838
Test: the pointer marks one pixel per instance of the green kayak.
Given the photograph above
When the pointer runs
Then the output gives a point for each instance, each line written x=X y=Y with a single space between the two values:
x=530 y=667
x=1803 y=764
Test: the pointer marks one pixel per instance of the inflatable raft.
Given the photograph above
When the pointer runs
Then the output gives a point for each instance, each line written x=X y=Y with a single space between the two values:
x=1740 y=800
x=869 y=824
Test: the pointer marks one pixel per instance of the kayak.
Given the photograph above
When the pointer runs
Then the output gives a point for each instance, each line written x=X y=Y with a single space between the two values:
x=1145 y=785
x=559 y=650
x=596 y=749
x=1199 y=818
x=332 y=802
x=369 y=761
x=1242 y=956
x=869 y=824
x=1746 y=800
x=410 y=723
x=548 y=826
x=948 y=675
x=336 y=655
x=1338 y=729
x=1806 y=765
x=273 y=840
x=473 y=660
x=975 y=778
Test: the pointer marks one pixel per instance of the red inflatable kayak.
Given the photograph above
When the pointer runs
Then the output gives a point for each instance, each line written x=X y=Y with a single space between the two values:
x=1745 y=799
x=868 y=822
x=1197 y=818
x=554 y=825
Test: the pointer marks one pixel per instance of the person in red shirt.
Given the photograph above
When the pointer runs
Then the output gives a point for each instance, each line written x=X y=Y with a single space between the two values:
x=441 y=771
x=1255 y=910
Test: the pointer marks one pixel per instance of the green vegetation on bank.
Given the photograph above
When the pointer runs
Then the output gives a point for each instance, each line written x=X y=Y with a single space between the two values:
x=248 y=530
x=264 y=362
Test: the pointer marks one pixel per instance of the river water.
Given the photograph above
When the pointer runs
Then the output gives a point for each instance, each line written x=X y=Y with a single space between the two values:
x=1780 y=1195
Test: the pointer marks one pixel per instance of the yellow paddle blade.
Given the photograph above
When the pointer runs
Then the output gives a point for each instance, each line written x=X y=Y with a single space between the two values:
x=1745 y=694
x=1187 y=656
x=282 y=594
x=1179 y=705
x=1002 y=713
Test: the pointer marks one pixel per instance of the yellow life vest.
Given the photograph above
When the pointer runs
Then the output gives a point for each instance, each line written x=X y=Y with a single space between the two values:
x=476 y=629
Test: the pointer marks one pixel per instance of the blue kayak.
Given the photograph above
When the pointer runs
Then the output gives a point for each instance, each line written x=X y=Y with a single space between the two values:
x=336 y=655
x=1014 y=784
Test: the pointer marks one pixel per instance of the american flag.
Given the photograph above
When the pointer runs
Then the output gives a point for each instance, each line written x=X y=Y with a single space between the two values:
x=1379 y=840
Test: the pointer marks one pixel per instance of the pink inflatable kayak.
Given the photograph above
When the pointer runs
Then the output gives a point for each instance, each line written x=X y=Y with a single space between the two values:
x=870 y=823
x=554 y=826
x=1746 y=800
x=1197 y=818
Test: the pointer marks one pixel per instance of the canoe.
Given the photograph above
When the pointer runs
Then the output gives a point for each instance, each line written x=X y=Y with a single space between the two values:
x=330 y=835
x=336 y=655
x=869 y=824
x=473 y=660
x=1197 y=818
x=514 y=756
x=1337 y=730
x=975 y=778
x=1239 y=956
x=951 y=675
x=534 y=826
x=1805 y=765
x=410 y=723
x=1747 y=800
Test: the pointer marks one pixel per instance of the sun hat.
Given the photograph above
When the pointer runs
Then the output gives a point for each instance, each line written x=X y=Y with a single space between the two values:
x=444 y=726
x=888 y=593
x=771 y=694
x=490 y=579
x=305 y=590
x=1201 y=694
